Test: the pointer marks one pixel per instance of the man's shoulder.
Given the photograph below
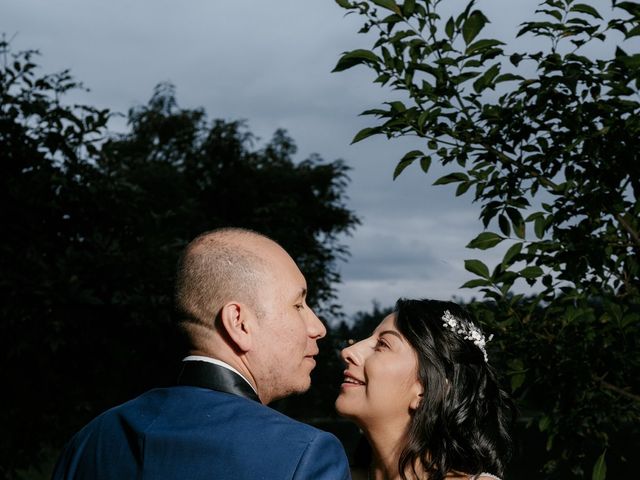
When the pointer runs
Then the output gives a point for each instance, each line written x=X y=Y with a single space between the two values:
x=254 y=413
x=192 y=419
x=202 y=411
x=209 y=406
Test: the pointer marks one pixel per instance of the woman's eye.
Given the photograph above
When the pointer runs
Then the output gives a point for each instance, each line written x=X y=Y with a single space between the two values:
x=299 y=306
x=381 y=344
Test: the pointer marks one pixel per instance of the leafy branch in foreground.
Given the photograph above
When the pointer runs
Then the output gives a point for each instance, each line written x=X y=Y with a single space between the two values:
x=547 y=141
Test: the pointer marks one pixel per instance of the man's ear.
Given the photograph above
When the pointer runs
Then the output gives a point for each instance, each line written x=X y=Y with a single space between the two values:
x=235 y=319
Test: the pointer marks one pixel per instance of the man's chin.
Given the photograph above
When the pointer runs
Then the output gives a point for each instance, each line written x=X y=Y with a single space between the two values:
x=302 y=388
x=294 y=390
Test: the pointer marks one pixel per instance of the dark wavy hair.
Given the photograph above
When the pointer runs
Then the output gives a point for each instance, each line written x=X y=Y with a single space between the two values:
x=464 y=418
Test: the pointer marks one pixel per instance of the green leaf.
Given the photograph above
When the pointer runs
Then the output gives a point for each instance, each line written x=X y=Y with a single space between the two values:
x=408 y=7
x=462 y=188
x=631 y=7
x=516 y=365
x=515 y=59
x=464 y=76
x=397 y=106
x=382 y=79
x=513 y=251
x=516 y=381
x=377 y=112
x=517 y=221
x=451 y=178
x=447 y=61
x=413 y=154
x=549 y=444
x=554 y=13
x=474 y=63
x=392 y=19
x=355 y=57
x=486 y=80
x=584 y=8
x=634 y=32
x=507 y=77
x=364 y=133
x=517 y=373
x=405 y=161
x=544 y=423
x=531 y=272
x=449 y=28
x=478 y=282
x=425 y=163
x=600 y=468
x=483 y=44
x=389 y=5
x=343 y=3
x=539 y=226
x=402 y=164
x=505 y=226
x=485 y=240
x=473 y=25
x=477 y=267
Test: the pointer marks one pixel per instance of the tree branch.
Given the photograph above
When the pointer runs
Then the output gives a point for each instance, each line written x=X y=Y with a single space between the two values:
x=627 y=227
x=620 y=391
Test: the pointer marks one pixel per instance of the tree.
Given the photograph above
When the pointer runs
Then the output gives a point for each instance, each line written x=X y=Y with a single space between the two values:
x=93 y=224
x=42 y=143
x=548 y=141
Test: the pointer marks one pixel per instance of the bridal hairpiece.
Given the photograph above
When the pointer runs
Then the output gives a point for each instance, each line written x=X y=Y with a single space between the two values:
x=467 y=330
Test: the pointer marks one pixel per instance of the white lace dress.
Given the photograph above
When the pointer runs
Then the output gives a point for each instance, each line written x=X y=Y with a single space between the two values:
x=485 y=475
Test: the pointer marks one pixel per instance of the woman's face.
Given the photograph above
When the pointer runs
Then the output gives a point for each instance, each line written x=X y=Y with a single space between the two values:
x=381 y=380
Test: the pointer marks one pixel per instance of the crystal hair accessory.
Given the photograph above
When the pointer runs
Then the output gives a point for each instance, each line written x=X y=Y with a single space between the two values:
x=467 y=330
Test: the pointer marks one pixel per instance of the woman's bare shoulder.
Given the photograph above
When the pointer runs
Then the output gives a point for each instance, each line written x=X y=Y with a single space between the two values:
x=485 y=476
x=480 y=476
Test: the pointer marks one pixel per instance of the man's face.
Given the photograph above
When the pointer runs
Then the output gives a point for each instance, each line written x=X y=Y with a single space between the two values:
x=287 y=331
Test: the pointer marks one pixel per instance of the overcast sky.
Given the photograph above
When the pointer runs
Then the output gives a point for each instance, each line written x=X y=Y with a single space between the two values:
x=270 y=62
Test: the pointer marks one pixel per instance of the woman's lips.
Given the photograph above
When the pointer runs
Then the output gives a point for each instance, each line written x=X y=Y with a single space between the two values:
x=351 y=380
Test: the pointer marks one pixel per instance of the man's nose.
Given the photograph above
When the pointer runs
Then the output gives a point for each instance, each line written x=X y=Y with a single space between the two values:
x=315 y=326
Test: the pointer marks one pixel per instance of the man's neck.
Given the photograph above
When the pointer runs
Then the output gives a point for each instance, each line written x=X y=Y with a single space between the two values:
x=199 y=357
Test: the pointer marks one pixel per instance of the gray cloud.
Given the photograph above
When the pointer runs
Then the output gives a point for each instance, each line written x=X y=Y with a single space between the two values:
x=270 y=63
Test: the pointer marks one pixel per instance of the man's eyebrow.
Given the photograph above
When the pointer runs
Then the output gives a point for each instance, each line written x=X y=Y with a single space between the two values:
x=302 y=294
x=391 y=332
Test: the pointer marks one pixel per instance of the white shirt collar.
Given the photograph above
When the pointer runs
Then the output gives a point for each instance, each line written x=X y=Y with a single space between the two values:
x=220 y=363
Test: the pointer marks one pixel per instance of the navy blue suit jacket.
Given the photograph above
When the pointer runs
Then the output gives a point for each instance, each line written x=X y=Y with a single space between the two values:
x=217 y=430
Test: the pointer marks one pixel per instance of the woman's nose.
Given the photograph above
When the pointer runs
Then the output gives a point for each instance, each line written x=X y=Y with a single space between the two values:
x=350 y=354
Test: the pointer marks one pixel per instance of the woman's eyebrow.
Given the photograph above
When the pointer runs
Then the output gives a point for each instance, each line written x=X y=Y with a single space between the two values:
x=392 y=332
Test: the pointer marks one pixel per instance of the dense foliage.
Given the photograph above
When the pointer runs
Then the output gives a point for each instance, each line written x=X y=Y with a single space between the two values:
x=93 y=223
x=547 y=140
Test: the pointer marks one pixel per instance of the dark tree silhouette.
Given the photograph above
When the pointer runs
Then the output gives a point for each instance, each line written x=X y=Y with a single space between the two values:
x=92 y=227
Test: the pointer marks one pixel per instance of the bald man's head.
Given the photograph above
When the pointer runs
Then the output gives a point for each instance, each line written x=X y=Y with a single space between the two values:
x=218 y=267
x=243 y=300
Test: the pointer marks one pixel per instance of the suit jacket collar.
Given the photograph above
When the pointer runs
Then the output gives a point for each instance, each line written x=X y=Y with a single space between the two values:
x=215 y=377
